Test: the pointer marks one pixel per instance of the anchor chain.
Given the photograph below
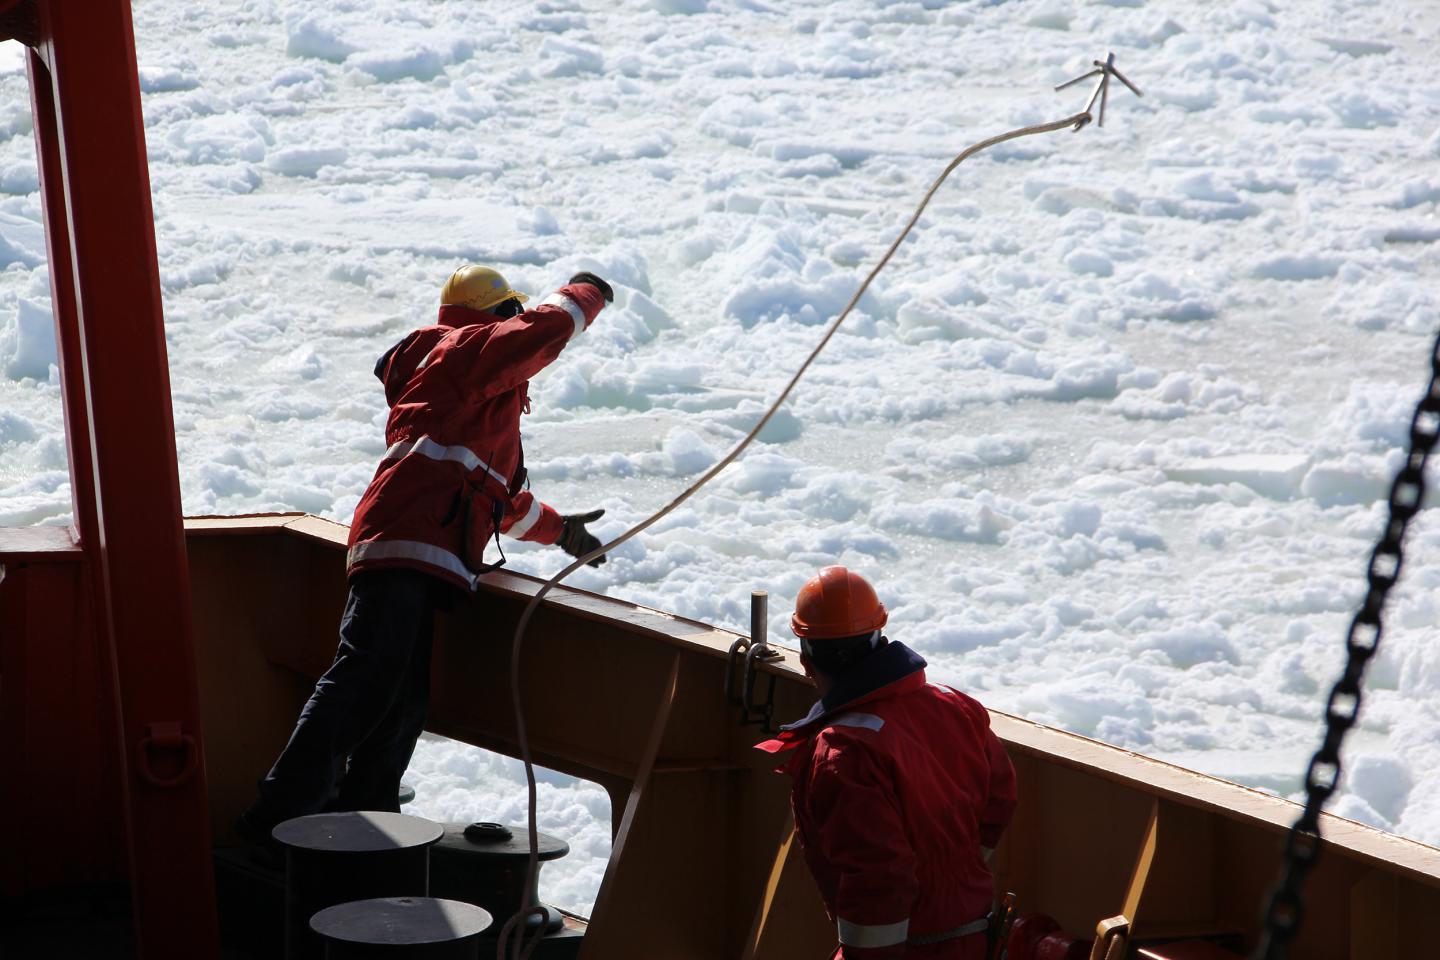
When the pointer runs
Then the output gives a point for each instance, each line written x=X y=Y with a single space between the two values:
x=1322 y=777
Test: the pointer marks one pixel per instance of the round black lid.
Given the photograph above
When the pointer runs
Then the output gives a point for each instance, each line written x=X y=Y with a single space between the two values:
x=500 y=840
x=365 y=832
x=401 y=920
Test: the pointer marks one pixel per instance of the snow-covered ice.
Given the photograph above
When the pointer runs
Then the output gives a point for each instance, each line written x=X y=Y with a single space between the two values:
x=1110 y=434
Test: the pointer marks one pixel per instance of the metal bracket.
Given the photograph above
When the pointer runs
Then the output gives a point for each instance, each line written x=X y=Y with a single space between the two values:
x=756 y=651
x=166 y=737
x=1104 y=70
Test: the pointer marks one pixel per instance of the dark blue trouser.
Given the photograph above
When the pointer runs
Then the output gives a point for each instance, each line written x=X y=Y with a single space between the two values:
x=368 y=709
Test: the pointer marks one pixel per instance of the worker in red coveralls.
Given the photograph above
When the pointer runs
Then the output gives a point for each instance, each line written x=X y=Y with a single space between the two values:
x=900 y=791
x=452 y=477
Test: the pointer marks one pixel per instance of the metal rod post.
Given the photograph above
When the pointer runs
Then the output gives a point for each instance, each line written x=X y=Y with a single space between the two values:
x=759 y=616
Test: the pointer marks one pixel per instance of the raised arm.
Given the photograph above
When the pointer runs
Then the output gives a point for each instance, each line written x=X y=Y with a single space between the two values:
x=517 y=349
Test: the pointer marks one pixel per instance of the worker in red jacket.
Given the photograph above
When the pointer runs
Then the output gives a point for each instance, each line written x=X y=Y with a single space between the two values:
x=452 y=477
x=900 y=791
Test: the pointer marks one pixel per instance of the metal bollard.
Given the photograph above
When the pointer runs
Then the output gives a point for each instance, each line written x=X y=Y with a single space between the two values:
x=333 y=858
x=485 y=864
x=414 y=928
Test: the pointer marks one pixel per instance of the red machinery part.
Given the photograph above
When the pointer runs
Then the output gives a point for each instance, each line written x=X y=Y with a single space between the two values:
x=1026 y=934
x=1036 y=936
x=1057 y=946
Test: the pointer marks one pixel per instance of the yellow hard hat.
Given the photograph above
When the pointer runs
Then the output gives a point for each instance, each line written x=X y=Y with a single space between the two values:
x=478 y=288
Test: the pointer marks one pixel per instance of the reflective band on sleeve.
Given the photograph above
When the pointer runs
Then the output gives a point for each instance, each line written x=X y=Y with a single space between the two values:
x=522 y=526
x=872 y=935
x=437 y=451
x=571 y=307
x=410 y=550
x=867 y=720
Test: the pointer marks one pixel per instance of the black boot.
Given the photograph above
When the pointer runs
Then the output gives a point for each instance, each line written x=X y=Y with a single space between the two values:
x=254 y=832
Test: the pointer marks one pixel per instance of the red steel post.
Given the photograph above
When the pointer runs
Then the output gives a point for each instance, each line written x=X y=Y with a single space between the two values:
x=141 y=578
x=62 y=289
x=71 y=684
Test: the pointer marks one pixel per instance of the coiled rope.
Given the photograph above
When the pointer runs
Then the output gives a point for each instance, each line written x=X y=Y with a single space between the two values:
x=527 y=910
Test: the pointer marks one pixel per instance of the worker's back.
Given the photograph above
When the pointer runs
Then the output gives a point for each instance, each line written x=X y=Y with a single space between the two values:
x=896 y=795
x=946 y=787
x=453 y=470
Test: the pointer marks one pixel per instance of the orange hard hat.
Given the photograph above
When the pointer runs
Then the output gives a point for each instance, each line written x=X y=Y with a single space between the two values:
x=837 y=603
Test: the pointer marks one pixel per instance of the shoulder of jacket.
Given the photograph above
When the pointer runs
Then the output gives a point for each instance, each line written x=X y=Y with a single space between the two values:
x=458 y=342
x=465 y=334
x=851 y=726
x=973 y=709
x=424 y=340
x=949 y=693
x=850 y=750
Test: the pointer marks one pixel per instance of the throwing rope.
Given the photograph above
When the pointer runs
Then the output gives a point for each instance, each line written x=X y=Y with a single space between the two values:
x=1104 y=70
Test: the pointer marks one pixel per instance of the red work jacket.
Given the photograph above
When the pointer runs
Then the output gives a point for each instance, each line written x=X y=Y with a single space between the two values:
x=898 y=785
x=454 y=471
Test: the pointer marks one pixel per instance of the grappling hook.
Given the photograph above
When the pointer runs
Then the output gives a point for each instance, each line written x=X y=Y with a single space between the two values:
x=1104 y=70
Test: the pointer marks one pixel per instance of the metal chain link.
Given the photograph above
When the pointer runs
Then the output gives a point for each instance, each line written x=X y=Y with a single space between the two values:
x=1322 y=776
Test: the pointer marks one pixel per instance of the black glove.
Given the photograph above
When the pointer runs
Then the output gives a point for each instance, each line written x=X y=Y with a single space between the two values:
x=597 y=283
x=575 y=539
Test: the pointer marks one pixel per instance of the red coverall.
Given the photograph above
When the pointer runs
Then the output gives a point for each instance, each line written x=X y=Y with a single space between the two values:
x=898 y=784
x=454 y=471
x=452 y=475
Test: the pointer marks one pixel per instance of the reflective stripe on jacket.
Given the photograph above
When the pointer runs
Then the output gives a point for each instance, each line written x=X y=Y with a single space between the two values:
x=453 y=467
x=897 y=785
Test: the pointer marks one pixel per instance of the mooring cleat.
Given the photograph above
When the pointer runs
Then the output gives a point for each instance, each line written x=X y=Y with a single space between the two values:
x=1104 y=70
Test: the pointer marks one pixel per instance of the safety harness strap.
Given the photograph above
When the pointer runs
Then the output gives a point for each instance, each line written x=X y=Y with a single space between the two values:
x=871 y=934
x=964 y=930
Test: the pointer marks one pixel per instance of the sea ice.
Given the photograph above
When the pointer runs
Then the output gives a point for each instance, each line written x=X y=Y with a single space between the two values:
x=1111 y=433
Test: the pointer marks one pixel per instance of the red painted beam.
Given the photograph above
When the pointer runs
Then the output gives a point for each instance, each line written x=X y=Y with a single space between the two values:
x=62 y=685
x=137 y=551
x=69 y=351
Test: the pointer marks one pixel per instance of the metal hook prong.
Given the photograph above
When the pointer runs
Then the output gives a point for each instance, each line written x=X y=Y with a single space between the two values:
x=1079 y=79
x=1104 y=70
x=1121 y=77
